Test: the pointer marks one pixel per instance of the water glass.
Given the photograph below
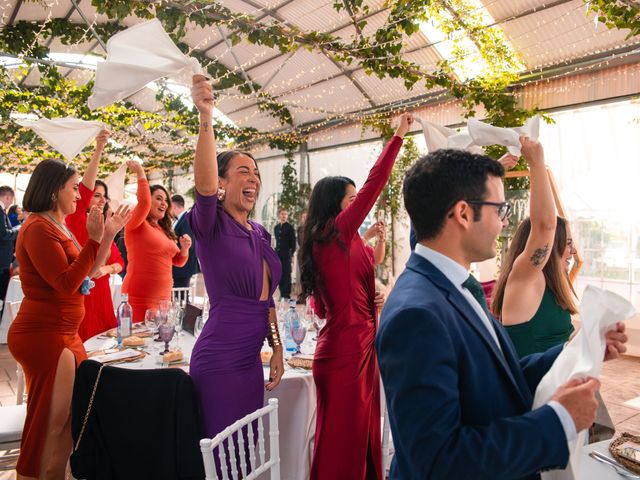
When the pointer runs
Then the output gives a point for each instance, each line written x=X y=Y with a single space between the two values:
x=199 y=325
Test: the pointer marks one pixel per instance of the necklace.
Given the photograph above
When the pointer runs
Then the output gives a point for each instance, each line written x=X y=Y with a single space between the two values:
x=64 y=229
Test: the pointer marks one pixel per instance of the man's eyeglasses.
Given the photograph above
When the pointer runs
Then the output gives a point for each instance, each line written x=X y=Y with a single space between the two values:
x=503 y=208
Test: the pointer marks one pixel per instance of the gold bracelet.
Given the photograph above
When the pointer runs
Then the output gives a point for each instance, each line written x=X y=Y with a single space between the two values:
x=273 y=337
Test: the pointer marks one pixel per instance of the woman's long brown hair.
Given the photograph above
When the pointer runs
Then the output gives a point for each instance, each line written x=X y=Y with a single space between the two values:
x=166 y=221
x=555 y=276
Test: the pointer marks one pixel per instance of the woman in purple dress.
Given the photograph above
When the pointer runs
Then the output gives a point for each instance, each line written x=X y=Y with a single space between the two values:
x=241 y=271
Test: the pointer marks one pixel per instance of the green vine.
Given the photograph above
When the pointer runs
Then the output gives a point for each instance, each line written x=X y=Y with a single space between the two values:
x=620 y=14
x=295 y=195
x=160 y=137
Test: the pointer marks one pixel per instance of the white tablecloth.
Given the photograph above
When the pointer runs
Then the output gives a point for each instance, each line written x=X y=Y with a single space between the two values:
x=296 y=396
x=591 y=469
x=14 y=294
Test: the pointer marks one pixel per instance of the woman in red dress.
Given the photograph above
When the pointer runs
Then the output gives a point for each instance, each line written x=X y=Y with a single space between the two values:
x=338 y=271
x=98 y=305
x=44 y=336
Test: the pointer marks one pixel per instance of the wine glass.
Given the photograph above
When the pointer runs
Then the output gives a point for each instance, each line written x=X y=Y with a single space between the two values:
x=167 y=329
x=298 y=332
x=163 y=307
x=199 y=325
x=151 y=320
x=178 y=316
x=318 y=323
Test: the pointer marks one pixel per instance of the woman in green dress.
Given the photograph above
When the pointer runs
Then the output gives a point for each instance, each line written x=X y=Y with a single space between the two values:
x=533 y=296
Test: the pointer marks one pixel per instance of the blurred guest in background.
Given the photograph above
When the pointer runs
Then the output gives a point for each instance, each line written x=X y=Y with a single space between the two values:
x=8 y=237
x=15 y=214
x=182 y=275
x=285 y=248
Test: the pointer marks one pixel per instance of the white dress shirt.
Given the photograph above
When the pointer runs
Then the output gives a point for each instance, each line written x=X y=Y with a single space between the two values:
x=175 y=222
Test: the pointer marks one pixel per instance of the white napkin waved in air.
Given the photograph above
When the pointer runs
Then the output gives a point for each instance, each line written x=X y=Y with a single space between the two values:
x=115 y=184
x=583 y=357
x=437 y=137
x=137 y=56
x=484 y=134
x=67 y=135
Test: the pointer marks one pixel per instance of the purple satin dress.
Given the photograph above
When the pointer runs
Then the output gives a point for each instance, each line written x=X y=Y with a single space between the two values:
x=225 y=363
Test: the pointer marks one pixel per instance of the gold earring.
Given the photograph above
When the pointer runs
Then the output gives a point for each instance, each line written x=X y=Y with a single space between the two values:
x=221 y=193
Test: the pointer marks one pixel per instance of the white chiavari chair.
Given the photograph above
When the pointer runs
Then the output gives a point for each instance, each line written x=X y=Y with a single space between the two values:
x=224 y=444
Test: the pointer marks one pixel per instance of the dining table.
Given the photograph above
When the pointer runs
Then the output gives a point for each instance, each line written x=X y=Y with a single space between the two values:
x=296 y=396
x=591 y=469
x=15 y=294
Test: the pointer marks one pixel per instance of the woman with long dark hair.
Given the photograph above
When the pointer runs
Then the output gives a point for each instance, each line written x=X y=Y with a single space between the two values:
x=338 y=271
x=151 y=247
x=99 y=314
x=533 y=296
x=241 y=272
x=44 y=336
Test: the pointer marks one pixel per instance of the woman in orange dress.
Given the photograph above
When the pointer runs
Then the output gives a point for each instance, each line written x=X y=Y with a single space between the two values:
x=44 y=336
x=151 y=247
x=98 y=305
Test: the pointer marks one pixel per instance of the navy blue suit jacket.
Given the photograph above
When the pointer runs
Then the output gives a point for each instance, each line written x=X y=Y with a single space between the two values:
x=458 y=407
x=7 y=241
x=191 y=267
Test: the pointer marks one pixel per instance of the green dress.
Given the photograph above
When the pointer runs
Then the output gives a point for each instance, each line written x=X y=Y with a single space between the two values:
x=550 y=326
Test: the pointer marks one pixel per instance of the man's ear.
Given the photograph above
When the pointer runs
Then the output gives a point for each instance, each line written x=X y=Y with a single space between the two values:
x=462 y=214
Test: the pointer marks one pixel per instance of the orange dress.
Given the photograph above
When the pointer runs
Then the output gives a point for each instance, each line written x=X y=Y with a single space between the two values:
x=51 y=271
x=151 y=255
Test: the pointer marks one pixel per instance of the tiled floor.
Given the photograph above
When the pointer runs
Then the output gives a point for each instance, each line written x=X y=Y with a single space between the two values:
x=620 y=382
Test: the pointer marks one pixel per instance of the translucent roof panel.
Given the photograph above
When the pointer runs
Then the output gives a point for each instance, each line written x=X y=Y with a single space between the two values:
x=314 y=87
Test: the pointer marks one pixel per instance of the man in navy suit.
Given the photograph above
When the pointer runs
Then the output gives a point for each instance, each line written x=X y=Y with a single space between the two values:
x=182 y=275
x=7 y=239
x=459 y=399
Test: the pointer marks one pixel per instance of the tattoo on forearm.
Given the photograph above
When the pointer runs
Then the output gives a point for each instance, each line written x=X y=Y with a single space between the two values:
x=205 y=126
x=539 y=255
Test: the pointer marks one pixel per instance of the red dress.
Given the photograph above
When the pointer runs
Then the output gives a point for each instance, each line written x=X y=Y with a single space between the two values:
x=345 y=370
x=99 y=313
x=51 y=270
x=99 y=310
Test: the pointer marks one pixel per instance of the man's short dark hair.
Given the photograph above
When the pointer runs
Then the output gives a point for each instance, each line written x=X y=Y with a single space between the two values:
x=6 y=190
x=178 y=199
x=439 y=180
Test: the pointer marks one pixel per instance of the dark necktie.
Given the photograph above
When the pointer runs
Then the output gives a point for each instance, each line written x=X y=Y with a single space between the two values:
x=477 y=291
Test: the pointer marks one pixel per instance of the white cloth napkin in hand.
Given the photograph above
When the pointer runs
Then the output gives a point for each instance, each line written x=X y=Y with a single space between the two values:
x=137 y=56
x=484 y=134
x=583 y=357
x=437 y=137
x=67 y=135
